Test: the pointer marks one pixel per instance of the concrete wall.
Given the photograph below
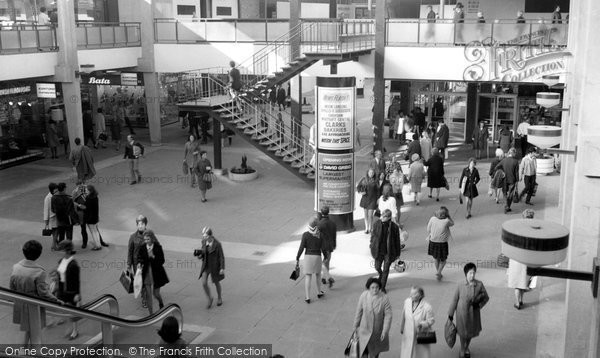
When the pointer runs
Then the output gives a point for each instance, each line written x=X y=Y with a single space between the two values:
x=250 y=9
x=177 y=58
x=110 y=58
x=28 y=65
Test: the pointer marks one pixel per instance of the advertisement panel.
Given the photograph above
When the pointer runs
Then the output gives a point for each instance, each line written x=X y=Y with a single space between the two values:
x=335 y=113
x=46 y=90
x=335 y=182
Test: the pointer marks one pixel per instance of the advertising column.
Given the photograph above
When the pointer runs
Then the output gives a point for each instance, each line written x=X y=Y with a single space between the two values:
x=335 y=118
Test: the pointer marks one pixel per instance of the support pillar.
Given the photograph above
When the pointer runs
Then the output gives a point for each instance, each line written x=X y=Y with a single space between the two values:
x=146 y=65
x=67 y=69
x=471 y=121
x=218 y=162
x=333 y=9
x=296 y=103
x=379 y=87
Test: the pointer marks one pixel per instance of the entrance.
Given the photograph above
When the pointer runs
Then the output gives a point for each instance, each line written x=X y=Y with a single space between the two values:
x=497 y=111
x=447 y=106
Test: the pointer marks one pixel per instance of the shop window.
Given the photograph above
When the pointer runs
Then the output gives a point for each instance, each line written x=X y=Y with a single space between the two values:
x=186 y=10
x=223 y=11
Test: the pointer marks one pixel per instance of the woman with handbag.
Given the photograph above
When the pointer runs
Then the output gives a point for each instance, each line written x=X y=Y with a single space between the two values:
x=313 y=244
x=416 y=174
x=69 y=282
x=435 y=173
x=213 y=264
x=497 y=176
x=151 y=259
x=369 y=189
x=203 y=170
x=468 y=300
x=190 y=156
x=470 y=175
x=415 y=326
x=373 y=320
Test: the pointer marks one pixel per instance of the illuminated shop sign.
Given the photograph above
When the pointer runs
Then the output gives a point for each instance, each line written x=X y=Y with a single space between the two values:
x=46 y=90
x=15 y=90
x=123 y=79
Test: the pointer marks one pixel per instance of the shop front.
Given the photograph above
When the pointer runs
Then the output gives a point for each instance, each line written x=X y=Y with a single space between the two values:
x=25 y=109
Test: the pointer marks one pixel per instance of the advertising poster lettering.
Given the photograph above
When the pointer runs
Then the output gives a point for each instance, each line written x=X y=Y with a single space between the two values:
x=335 y=113
x=335 y=182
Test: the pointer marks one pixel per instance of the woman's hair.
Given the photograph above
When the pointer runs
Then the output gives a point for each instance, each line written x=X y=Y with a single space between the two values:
x=468 y=267
x=386 y=192
x=150 y=234
x=32 y=250
x=141 y=218
x=52 y=187
x=499 y=152
x=92 y=192
x=202 y=152
x=472 y=160
x=372 y=280
x=420 y=290
x=369 y=177
x=435 y=151
x=443 y=212
x=169 y=331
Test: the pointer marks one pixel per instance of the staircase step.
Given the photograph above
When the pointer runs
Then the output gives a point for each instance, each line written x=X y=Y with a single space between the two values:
x=261 y=134
x=298 y=165
x=291 y=158
x=230 y=115
x=241 y=120
x=311 y=176
x=283 y=153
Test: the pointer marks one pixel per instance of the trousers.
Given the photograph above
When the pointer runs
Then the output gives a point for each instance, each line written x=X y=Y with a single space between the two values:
x=384 y=271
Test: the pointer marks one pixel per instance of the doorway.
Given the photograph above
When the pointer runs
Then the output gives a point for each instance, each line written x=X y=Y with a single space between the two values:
x=497 y=111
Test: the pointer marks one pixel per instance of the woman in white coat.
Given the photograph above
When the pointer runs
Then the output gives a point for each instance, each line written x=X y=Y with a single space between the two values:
x=417 y=316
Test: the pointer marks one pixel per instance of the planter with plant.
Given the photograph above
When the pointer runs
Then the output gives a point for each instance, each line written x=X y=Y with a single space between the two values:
x=244 y=172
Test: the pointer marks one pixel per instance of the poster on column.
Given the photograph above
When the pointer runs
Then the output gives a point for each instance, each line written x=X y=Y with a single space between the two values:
x=335 y=182
x=335 y=118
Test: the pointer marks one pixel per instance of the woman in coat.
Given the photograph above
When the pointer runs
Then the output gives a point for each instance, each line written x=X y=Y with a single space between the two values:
x=313 y=244
x=468 y=180
x=368 y=187
x=435 y=173
x=203 y=170
x=397 y=182
x=91 y=216
x=69 y=282
x=426 y=146
x=505 y=139
x=190 y=155
x=468 y=300
x=416 y=174
x=151 y=259
x=417 y=316
x=496 y=175
x=213 y=264
x=438 y=235
x=52 y=139
x=480 y=138
x=517 y=272
x=373 y=320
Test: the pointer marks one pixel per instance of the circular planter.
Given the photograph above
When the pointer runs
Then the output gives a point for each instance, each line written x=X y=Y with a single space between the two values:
x=243 y=177
x=545 y=165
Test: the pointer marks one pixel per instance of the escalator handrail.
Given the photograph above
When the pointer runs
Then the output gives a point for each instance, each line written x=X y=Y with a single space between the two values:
x=113 y=305
x=171 y=309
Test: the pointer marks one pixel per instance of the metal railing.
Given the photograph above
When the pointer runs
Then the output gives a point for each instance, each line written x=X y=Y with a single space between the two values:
x=108 y=34
x=218 y=30
x=106 y=320
x=444 y=32
x=27 y=37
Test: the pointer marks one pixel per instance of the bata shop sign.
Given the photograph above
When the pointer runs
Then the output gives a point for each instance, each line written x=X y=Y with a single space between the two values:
x=516 y=63
x=123 y=79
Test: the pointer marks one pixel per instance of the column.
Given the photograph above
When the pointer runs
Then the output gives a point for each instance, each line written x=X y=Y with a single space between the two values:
x=471 y=120
x=67 y=67
x=217 y=145
x=146 y=65
x=296 y=82
x=333 y=9
x=580 y=194
x=379 y=90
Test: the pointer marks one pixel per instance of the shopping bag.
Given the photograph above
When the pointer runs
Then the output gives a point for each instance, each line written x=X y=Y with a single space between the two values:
x=295 y=274
x=352 y=350
x=450 y=333
x=184 y=168
x=137 y=283
x=400 y=266
x=127 y=281
x=533 y=282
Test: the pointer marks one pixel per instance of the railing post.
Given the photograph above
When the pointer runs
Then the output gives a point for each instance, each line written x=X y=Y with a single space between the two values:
x=100 y=34
x=529 y=36
x=114 y=36
x=37 y=36
x=20 y=41
x=177 y=31
x=107 y=334
x=492 y=34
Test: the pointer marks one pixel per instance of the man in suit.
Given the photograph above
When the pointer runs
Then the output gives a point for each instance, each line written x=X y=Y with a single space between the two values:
x=328 y=230
x=441 y=138
x=510 y=166
x=385 y=245
x=377 y=164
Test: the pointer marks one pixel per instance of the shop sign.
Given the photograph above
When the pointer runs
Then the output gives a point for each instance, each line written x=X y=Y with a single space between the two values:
x=46 y=90
x=15 y=90
x=335 y=113
x=99 y=81
x=515 y=63
x=335 y=182
x=123 y=79
x=472 y=6
x=129 y=79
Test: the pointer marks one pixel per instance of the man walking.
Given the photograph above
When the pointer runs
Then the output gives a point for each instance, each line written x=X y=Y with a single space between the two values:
x=510 y=166
x=136 y=243
x=385 y=245
x=133 y=151
x=328 y=230
x=527 y=170
x=82 y=161
x=377 y=164
x=522 y=133
x=441 y=138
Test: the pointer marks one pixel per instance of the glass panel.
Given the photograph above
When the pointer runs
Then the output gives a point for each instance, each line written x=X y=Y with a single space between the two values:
x=402 y=32
x=28 y=39
x=276 y=30
x=191 y=31
x=80 y=32
x=120 y=34
x=93 y=35
x=108 y=37
x=437 y=33
x=477 y=32
x=251 y=31
x=457 y=110
x=511 y=33
x=549 y=34
x=133 y=34
x=47 y=38
x=10 y=40
x=220 y=31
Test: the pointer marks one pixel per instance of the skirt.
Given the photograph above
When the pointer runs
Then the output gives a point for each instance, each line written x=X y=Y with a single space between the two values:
x=312 y=264
x=399 y=199
x=439 y=250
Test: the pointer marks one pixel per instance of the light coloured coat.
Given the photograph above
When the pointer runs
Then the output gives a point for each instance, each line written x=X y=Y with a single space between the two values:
x=409 y=324
x=373 y=317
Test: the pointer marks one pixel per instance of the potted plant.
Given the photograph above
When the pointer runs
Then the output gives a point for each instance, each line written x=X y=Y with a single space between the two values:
x=244 y=173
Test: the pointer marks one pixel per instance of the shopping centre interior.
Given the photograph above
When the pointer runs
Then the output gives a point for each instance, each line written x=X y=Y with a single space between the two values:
x=167 y=62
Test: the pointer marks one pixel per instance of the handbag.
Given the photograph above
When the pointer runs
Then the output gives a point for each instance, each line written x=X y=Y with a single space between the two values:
x=445 y=183
x=426 y=337
x=352 y=350
x=185 y=168
x=46 y=232
x=295 y=274
x=400 y=266
x=450 y=333
x=137 y=283
x=102 y=136
x=515 y=194
x=502 y=261
x=127 y=281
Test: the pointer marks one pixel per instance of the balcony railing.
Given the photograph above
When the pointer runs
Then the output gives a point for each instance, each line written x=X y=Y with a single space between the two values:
x=108 y=34
x=218 y=30
x=26 y=37
x=419 y=32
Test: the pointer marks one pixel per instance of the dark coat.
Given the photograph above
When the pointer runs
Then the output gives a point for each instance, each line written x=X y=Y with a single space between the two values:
x=213 y=260
x=393 y=236
x=91 y=211
x=328 y=231
x=203 y=170
x=72 y=285
x=435 y=172
x=129 y=150
x=472 y=178
x=281 y=96
x=441 y=137
x=62 y=205
x=510 y=166
x=467 y=302
x=159 y=275
x=380 y=187
x=480 y=138
x=413 y=147
x=371 y=190
x=136 y=241
x=377 y=167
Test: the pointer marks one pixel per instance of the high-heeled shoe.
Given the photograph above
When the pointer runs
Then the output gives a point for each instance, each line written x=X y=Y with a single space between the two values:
x=307 y=300
x=320 y=294
x=210 y=302
x=219 y=302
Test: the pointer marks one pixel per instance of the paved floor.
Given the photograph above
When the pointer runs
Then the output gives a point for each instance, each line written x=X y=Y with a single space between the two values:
x=260 y=223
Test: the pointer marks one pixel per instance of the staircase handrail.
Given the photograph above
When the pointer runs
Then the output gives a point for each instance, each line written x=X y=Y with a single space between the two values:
x=113 y=305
